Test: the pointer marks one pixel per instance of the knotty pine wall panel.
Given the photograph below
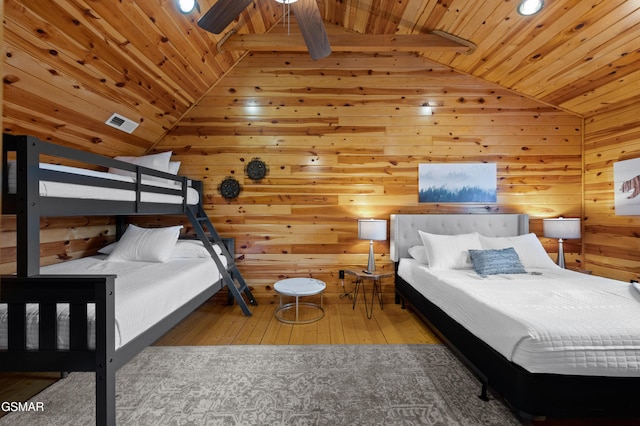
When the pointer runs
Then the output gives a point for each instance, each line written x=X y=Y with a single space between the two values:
x=611 y=243
x=344 y=142
x=60 y=239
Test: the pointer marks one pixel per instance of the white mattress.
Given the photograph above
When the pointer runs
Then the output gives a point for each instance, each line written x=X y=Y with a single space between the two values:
x=145 y=293
x=560 y=322
x=69 y=190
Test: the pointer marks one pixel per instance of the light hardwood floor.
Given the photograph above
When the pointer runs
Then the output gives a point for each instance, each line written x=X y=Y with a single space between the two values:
x=216 y=323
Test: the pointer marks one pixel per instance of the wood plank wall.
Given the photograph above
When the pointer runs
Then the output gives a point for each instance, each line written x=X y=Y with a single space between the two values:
x=343 y=138
x=611 y=243
x=1 y=86
x=60 y=239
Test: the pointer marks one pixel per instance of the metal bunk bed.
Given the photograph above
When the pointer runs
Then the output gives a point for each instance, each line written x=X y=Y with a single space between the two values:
x=28 y=286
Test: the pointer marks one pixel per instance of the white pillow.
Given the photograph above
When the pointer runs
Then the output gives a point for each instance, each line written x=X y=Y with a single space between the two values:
x=450 y=251
x=154 y=161
x=182 y=249
x=174 y=166
x=192 y=248
x=145 y=244
x=108 y=248
x=419 y=253
x=530 y=251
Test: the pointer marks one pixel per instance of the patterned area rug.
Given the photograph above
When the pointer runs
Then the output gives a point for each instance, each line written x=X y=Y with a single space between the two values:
x=266 y=385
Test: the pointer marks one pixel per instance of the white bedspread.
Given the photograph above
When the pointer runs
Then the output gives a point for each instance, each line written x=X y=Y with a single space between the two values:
x=145 y=293
x=70 y=190
x=561 y=322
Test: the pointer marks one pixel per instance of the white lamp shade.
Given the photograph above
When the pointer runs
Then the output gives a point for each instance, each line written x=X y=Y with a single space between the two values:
x=564 y=228
x=372 y=229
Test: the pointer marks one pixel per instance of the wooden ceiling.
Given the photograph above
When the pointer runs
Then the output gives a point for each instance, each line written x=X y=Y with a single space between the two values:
x=78 y=61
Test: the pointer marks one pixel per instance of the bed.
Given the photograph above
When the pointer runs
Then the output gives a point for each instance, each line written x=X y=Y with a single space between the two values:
x=145 y=291
x=92 y=314
x=551 y=342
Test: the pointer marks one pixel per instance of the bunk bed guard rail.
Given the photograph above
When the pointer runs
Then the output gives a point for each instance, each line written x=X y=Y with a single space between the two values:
x=29 y=206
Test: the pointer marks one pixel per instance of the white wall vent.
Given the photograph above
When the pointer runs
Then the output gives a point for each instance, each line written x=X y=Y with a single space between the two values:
x=121 y=123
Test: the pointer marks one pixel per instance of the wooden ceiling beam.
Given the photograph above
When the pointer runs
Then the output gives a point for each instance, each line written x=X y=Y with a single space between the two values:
x=350 y=43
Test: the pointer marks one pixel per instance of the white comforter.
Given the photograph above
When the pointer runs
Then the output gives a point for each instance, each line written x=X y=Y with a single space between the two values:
x=560 y=322
x=145 y=293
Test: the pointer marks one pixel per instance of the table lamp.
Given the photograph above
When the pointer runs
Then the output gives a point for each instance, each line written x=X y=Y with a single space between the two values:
x=372 y=229
x=562 y=229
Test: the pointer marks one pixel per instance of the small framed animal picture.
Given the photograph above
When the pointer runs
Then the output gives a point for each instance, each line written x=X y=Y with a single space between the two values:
x=626 y=176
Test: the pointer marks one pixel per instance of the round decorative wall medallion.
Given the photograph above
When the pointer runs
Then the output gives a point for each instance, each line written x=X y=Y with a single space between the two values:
x=229 y=188
x=256 y=169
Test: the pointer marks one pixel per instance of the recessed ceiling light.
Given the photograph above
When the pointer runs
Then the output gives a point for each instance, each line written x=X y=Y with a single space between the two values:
x=530 y=7
x=187 y=6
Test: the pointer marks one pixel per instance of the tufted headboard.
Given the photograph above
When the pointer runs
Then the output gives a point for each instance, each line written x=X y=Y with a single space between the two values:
x=404 y=227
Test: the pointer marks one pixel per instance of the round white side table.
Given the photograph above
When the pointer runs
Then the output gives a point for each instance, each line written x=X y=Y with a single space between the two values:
x=299 y=287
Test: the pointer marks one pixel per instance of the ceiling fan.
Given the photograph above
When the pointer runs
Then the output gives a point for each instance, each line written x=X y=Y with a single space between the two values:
x=307 y=13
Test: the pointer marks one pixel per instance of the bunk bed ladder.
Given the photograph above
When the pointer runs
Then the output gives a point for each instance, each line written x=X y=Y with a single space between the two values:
x=197 y=216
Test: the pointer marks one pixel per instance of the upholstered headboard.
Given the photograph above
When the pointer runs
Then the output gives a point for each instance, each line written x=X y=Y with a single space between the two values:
x=404 y=227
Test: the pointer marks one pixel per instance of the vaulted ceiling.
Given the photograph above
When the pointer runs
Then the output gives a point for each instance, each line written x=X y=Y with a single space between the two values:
x=148 y=62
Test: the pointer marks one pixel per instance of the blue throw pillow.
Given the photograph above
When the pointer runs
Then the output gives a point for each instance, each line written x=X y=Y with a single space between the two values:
x=492 y=262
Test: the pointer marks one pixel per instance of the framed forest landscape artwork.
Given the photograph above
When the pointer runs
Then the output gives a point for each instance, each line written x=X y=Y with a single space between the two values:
x=457 y=183
x=626 y=177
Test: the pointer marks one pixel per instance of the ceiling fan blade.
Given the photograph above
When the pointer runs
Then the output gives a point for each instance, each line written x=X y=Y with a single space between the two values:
x=221 y=14
x=312 y=28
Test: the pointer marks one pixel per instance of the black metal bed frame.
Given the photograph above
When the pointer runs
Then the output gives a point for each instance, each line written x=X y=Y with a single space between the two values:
x=28 y=206
x=28 y=286
x=528 y=394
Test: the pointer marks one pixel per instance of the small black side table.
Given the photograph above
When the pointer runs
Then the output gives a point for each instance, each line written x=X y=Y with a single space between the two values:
x=376 y=287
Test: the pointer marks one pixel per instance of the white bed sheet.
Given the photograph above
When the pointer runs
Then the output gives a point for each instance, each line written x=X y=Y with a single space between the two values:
x=145 y=293
x=69 y=190
x=560 y=322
